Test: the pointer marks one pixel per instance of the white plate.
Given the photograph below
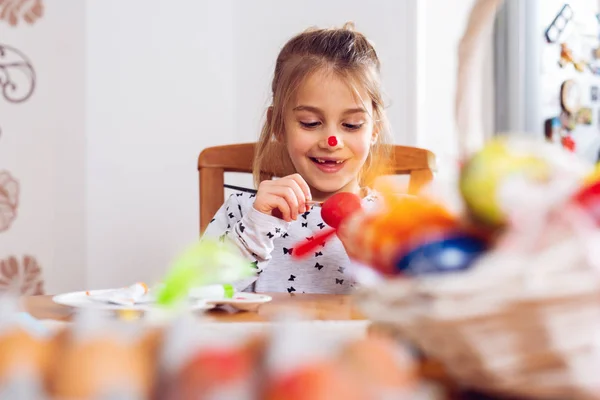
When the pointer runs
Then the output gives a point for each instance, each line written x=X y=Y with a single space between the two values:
x=82 y=300
x=241 y=301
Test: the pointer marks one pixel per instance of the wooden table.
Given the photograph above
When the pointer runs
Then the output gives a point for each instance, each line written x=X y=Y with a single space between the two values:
x=326 y=307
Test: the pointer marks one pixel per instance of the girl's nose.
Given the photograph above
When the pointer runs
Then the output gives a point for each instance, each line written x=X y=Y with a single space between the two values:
x=332 y=142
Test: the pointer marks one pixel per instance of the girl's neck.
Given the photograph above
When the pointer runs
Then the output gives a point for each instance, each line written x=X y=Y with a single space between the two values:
x=352 y=187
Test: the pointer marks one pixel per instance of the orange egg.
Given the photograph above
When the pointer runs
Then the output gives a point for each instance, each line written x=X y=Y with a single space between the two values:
x=379 y=363
x=21 y=353
x=89 y=368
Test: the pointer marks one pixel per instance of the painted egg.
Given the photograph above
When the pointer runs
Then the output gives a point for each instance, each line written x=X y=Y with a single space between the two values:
x=338 y=207
x=449 y=254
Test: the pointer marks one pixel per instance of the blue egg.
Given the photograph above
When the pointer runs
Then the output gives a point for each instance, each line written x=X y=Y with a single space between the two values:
x=453 y=253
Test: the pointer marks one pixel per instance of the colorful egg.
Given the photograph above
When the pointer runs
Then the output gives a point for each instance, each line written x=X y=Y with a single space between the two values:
x=97 y=365
x=338 y=207
x=379 y=239
x=588 y=198
x=213 y=373
x=484 y=174
x=379 y=364
x=315 y=381
x=449 y=254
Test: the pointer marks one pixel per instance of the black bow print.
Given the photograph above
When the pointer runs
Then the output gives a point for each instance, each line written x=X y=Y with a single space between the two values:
x=305 y=214
x=318 y=266
x=292 y=277
x=288 y=251
x=270 y=235
x=339 y=281
x=285 y=235
x=291 y=289
x=305 y=224
x=321 y=225
x=318 y=254
x=230 y=215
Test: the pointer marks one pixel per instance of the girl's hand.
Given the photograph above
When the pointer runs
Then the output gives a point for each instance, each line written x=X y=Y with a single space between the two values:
x=348 y=233
x=284 y=198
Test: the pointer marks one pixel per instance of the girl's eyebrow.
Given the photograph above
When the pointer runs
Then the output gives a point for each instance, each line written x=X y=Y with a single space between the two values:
x=355 y=110
x=317 y=110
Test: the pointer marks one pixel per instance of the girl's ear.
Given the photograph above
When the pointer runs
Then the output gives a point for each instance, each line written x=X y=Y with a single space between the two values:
x=276 y=135
x=374 y=137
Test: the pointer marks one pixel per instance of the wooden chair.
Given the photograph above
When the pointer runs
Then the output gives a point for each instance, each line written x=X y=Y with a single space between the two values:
x=213 y=162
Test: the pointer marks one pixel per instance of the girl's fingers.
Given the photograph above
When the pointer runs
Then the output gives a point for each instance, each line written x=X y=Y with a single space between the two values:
x=300 y=196
x=302 y=184
x=288 y=194
x=282 y=205
x=292 y=190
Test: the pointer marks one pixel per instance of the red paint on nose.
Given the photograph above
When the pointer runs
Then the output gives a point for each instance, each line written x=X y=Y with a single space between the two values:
x=332 y=141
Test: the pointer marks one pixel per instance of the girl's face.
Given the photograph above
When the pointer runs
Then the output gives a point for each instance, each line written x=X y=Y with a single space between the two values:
x=326 y=106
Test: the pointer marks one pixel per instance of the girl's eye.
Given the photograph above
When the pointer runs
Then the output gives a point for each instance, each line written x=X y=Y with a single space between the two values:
x=353 y=127
x=310 y=124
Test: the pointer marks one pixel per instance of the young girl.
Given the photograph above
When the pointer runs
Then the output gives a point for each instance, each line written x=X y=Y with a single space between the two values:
x=326 y=128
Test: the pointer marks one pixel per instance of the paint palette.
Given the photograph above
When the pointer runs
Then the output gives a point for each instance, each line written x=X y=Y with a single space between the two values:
x=241 y=301
x=84 y=300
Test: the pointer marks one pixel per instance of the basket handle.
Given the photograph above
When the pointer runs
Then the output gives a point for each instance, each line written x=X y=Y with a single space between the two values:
x=470 y=65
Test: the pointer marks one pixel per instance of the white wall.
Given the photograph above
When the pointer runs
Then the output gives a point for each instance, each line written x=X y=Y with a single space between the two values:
x=163 y=83
x=159 y=88
x=261 y=28
x=42 y=146
x=141 y=86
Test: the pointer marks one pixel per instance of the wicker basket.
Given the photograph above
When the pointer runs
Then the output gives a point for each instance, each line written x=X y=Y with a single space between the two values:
x=528 y=327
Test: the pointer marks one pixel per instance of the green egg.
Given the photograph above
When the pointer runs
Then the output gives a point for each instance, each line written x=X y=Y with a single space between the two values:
x=487 y=170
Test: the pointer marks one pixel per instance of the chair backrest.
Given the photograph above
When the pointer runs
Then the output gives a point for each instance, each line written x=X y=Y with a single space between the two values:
x=213 y=162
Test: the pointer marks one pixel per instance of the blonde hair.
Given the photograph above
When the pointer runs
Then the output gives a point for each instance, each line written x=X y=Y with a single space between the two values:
x=343 y=51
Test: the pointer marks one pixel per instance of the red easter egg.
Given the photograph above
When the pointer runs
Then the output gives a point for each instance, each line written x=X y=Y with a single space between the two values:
x=338 y=207
x=316 y=381
x=589 y=199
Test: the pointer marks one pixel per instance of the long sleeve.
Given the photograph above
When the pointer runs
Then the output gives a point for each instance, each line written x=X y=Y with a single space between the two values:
x=251 y=231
